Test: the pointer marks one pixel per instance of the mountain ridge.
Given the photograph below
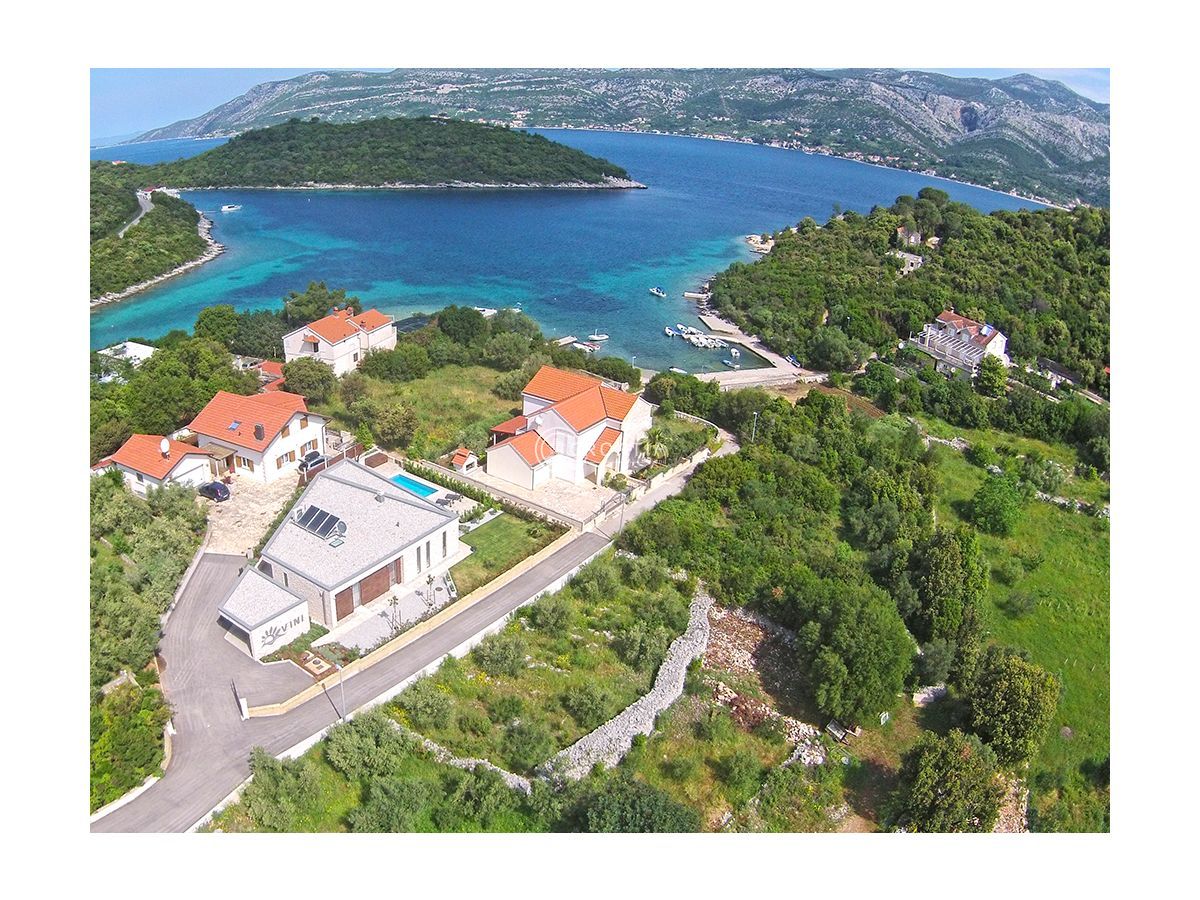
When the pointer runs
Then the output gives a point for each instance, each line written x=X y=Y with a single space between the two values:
x=1022 y=134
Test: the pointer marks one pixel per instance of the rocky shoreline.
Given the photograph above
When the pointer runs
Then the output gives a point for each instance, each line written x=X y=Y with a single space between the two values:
x=215 y=249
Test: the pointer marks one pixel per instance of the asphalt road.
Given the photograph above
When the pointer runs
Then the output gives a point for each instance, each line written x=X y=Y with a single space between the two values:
x=210 y=752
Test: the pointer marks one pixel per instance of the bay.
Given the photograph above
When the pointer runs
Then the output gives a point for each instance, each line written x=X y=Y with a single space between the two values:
x=576 y=261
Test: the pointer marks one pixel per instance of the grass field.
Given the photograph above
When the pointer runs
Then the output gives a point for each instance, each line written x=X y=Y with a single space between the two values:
x=448 y=402
x=498 y=546
x=1066 y=571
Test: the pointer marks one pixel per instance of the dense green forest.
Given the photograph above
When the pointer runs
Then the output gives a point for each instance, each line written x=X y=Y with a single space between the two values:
x=165 y=238
x=384 y=151
x=832 y=294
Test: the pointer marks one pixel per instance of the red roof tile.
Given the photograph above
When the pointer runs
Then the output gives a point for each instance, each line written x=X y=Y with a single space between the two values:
x=230 y=418
x=554 y=384
x=617 y=404
x=529 y=446
x=143 y=453
x=461 y=455
x=271 y=367
x=604 y=444
x=583 y=410
x=511 y=426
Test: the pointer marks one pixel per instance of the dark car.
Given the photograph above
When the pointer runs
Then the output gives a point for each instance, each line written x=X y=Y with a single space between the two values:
x=214 y=490
x=311 y=459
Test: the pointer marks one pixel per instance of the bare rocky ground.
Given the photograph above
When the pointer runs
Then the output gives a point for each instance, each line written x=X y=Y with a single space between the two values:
x=240 y=522
x=1014 y=810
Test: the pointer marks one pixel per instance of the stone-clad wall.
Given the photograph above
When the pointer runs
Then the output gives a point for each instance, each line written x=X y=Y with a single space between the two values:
x=609 y=743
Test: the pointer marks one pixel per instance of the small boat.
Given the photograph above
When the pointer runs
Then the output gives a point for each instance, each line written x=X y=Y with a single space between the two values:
x=670 y=332
x=658 y=292
x=678 y=371
x=598 y=336
x=231 y=207
x=586 y=346
x=732 y=364
x=735 y=352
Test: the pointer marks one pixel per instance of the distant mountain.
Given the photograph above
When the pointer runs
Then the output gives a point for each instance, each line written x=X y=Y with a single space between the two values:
x=1020 y=133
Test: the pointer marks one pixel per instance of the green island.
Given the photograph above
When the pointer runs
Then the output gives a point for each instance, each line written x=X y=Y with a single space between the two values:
x=378 y=153
x=1041 y=277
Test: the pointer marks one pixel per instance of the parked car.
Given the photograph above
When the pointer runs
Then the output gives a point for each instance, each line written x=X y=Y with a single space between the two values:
x=311 y=459
x=214 y=490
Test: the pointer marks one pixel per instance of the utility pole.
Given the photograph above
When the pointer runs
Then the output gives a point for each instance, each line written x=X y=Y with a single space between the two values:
x=342 y=683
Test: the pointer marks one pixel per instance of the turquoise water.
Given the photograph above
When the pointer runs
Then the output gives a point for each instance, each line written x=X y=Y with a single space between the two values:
x=420 y=488
x=576 y=261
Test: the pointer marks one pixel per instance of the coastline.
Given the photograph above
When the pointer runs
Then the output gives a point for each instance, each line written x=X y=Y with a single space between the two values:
x=215 y=249
x=609 y=184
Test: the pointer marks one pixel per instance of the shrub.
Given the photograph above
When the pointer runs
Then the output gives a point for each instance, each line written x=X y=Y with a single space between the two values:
x=1012 y=704
x=946 y=784
x=642 y=646
x=715 y=727
x=426 y=706
x=693 y=681
x=996 y=506
x=367 y=745
x=527 y=744
x=552 y=614
x=505 y=708
x=680 y=768
x=474 y=721
x=624 y=805
x=279 y=792
x=1008 y=570
x=741 y=773
x=392 y=805
x=501 y=654
x=587 y=703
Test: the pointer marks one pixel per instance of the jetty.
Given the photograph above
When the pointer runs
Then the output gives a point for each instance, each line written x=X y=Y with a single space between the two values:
x=781 y=371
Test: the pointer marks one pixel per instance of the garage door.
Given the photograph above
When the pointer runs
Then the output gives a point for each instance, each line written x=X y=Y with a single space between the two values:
x=375 y=584
x=343 y=603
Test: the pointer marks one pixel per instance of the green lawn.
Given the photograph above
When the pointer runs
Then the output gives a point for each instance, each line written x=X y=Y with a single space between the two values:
x=448 y=402
x=498 y=546
x=1067 y=631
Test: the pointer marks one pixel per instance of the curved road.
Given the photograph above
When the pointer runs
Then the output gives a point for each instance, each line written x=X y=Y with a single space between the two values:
x=146 y=205
x=211 y=747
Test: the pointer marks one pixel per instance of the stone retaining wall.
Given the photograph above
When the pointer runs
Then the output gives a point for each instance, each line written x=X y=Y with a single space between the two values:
x=609 y=743
x=442 y=755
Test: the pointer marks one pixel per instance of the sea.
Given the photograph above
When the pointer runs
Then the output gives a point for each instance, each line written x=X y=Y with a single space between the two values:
x=578 y=262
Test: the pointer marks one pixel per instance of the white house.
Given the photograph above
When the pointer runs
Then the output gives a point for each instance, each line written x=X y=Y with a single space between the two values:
x=151 y=460
x=961 y=343
x=261 y=436
x=342 y=339
x=574 y=427
x=128 y=351
x=352 y=537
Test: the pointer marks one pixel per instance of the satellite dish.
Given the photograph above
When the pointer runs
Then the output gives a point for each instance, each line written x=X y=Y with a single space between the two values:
x=165 y=446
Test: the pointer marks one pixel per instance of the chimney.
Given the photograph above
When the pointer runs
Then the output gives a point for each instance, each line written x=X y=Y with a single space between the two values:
x=259 y=431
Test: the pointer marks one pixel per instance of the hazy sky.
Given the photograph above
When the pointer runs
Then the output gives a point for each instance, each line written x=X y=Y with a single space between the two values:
x=130 y=101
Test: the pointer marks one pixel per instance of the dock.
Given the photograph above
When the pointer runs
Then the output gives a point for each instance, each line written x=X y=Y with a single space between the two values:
x=566 y=341
x=780 y=371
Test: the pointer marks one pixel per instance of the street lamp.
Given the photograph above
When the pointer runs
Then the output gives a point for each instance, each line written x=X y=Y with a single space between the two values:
x=754 y=428
x=342 y=684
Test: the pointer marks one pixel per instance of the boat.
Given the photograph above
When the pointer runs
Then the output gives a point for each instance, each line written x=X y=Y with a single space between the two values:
x=735 y=352
x=732 y=364
x=678 y=371
x=658 y=292
x=586 y=346
x=231 y=207
x=670 y=332
x=598 y=336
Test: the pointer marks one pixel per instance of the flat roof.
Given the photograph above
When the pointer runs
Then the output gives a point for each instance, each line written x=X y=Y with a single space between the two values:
x=257 y=599
x=381 y=518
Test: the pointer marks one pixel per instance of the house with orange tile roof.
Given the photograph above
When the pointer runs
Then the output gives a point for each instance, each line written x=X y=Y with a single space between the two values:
x=342 y=339
x=959 y=343
x=151 y=461
x=464 y=460
x=262 y=436
x=572 y=426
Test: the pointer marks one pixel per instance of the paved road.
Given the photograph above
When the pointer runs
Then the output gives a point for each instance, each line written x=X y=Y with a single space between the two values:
x=211 y=749
x=145 y=205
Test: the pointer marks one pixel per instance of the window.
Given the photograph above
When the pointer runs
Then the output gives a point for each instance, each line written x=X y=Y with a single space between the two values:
x=139 y=477
x=243 y=463
x=285 y=579
x=288 y=457
x=287 y=431
x=303 y=422
x=445 y=543
x=418 y=559
x=428 y=557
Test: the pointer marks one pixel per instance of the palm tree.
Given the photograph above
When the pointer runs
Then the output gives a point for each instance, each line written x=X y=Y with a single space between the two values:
x=654 y=445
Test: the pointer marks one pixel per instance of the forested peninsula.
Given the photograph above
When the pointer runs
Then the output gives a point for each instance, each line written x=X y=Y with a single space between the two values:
x=381 y=153
x=832 y=294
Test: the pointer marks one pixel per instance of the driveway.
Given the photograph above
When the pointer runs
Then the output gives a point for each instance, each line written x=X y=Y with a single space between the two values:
x=210 y=752
x=240 y=522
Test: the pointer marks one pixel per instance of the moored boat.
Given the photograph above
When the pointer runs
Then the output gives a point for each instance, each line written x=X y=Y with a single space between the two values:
x=598 y=336
x=231 y=207
x=678 y=371
x=732 y=364
x=658 y=292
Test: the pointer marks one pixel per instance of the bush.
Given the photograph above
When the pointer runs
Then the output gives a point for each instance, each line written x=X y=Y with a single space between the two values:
x=715 y=727
x=392 y=805
x=1008 y=570
x=1012 y=704
x=501 y=654
x=642 y=646
x=996 y=506
x=624 y=805
x=741 y=773
x=680 y=768
x=552 y=614
x=311 y=379
x=367 y=746
x=279 y=792
x=946 y=784
x=527 y=744
x=587 y=703
x=427 y=707
x=505 y=708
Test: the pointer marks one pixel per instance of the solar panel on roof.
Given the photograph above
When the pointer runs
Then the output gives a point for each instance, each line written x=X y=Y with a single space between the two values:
x=317 y=520
x=327 y=526
x=309 y=515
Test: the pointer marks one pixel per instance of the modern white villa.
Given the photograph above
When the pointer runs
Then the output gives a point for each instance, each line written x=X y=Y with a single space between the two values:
x=262 y=436
x=151 y=461
x=352 y=537
x=572 y=426
x=961 y=343
x=342 y=339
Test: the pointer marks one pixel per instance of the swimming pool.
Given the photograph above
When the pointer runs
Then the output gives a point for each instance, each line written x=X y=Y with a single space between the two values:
x=420 y=488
